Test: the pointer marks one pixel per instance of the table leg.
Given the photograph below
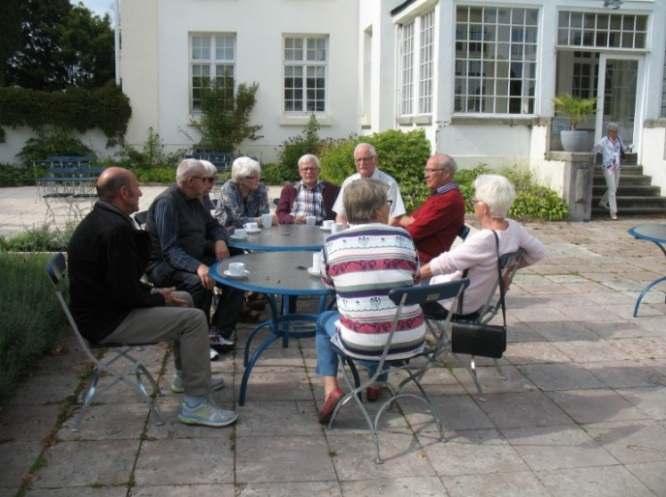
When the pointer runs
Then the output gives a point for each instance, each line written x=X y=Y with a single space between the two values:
x=645 y=291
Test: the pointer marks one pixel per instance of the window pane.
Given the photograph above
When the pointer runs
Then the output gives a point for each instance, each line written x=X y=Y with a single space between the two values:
x=200 y=47
x=461 y=14
x=490 y=15
x=224 y=47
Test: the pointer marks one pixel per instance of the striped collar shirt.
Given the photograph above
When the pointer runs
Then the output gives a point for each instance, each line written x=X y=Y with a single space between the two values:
x=451 y=185
x=309 y=201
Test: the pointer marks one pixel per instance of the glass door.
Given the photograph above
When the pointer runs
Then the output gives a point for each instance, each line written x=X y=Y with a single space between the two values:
x=617 y=96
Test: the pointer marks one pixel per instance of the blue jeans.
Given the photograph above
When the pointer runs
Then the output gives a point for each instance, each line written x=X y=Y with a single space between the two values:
x=327 y=359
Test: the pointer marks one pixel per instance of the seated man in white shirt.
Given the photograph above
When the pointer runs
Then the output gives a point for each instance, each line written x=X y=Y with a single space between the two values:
x=365 y=157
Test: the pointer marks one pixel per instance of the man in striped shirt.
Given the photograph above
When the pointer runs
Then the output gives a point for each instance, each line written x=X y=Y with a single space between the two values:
x=435 y=224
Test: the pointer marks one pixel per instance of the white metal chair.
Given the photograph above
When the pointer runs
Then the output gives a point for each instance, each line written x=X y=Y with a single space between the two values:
x=131 y=375
x=413 y=369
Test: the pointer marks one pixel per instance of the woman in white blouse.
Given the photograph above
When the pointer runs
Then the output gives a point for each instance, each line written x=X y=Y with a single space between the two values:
x=493 y=197
x=610 y=147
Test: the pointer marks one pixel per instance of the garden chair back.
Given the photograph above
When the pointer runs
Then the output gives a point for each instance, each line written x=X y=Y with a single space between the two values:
x=414 y=367
x=131 y=370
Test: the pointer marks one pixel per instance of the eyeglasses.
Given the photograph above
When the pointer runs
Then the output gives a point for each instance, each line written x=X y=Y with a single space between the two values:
x=430 y=171
x=304 y=169
x=205 y=179
x=250 y=177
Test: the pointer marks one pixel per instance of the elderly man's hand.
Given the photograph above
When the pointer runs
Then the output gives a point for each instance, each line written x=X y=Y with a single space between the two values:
x=170 y=298
x=221 y=250
x=206 y=280
x=299 y=219
x=424 y=272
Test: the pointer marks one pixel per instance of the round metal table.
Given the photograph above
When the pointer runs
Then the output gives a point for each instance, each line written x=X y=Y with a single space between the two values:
x=275 y=274
x=283 y=238
x=655 y=233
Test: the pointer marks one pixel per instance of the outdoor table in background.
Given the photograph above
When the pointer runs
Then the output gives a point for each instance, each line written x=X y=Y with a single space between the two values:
x=655 y=233
x=275 y=274
x=282 y=238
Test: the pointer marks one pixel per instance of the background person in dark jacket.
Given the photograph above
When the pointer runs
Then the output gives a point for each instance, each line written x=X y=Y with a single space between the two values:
x=107 y=256
x=185 y=241
x=308 y=197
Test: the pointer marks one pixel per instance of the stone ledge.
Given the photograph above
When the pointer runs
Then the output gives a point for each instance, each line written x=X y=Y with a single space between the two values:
x=561 y=155
x=499 y=120
x=655 y=123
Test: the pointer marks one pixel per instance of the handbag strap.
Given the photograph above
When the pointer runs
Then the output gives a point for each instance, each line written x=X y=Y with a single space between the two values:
x=500 y=280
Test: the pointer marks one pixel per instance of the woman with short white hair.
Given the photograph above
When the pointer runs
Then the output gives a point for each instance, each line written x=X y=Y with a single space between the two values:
x=243 y=198
x=611 y=149
x=493 y=197
x=211 y=176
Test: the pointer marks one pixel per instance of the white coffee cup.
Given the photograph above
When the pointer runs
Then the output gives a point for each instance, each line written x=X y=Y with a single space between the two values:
x=266 y=220
x=337 y=227
x=328 y=223
x=310 y=220
x=239 y=233
x=316 y=262
x=251 y=226
x=237 y=268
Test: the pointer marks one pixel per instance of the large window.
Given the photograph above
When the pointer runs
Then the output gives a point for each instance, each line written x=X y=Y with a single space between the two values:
x=416 y=65
x=305 y=59
x=496 y=50
x=211 y=62
x=579 y=29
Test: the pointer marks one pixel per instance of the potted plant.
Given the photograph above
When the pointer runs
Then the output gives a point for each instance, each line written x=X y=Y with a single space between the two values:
x=576 y=110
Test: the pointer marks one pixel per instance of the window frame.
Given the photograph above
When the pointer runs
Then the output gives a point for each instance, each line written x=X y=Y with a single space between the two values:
x=305 y=63
x=212 y=62
x=590 y=26
x=507 y=36
x=413 y=105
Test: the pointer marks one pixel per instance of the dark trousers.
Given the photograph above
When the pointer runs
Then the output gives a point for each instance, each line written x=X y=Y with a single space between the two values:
x=228 y=308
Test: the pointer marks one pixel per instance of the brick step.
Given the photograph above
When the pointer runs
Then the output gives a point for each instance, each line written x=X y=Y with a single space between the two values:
x=631 y=190
x=635 y=201
x=598 y=212
x=629 y=170
x=629 y=180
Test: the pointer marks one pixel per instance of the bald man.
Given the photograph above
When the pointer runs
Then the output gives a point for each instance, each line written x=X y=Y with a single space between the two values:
x=435 y=224
x=107 y=256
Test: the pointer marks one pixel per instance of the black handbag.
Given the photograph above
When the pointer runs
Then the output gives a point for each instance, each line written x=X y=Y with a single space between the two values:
x=483 y=340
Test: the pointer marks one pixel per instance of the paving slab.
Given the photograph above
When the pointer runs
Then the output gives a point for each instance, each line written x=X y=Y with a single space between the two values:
x=96 y=491
x=291 y=489
x=652 y=475
x=396 y=487
x=29 y=422
x=16 y=459
x=102 y=422
x=631 y=441
x=609 y=481
x=595 y=406
x=560 y=376
x=222 y=490
x=517 y=410
x=68 y=464
x=521 y=484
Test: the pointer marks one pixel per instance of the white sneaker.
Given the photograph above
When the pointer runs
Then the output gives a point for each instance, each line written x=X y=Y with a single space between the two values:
x=206 y=414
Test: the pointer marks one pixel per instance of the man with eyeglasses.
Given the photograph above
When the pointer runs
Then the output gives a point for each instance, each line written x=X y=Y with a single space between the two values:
x=365 y=158
x=435 y=224
x=185 y=241
x=308 y=197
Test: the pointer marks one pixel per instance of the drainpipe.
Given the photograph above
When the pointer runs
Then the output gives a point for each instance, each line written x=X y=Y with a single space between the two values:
x=116 y=40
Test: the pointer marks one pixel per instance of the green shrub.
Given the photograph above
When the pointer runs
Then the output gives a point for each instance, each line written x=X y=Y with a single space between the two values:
x=106 y=108
x=52 y=141
x=225 y=117
x=152 y=154
x=32 y=321
x=402 y=155
x=295 y=147
x=277 y=174
x=38 y=239
x=17 y=176
x=158 y=174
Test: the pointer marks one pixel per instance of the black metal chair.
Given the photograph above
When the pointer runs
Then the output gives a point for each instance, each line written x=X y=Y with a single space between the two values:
x=134 y=372
x=413 y=369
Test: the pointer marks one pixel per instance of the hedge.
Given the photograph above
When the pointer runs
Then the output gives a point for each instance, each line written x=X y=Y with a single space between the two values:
x=80 y=109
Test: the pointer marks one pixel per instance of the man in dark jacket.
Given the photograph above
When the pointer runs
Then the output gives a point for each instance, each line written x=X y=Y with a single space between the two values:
x=107 y=256
x=185 y=241
x=308 y=197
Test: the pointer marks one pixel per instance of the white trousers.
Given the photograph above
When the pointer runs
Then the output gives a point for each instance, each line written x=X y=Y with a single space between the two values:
x=612 y=176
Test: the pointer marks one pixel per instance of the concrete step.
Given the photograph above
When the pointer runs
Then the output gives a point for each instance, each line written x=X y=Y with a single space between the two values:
x=598 y=212
x=633 y=180
x=628 y=170
x=635 y=201
x=632 y=190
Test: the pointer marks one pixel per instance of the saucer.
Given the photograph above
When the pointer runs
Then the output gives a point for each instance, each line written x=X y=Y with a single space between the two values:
x=312 y=272
x=252 y=232
x=236 y=276
x=325 y=228
x=237 y=237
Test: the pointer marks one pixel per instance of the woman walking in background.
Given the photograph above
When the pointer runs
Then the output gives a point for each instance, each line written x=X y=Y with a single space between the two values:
x=610 y=147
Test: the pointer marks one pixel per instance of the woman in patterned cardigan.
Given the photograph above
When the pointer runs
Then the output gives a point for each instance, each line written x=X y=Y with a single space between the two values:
x=363 y=264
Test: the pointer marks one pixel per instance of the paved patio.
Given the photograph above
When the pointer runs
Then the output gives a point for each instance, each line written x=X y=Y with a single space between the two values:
x=583 y=411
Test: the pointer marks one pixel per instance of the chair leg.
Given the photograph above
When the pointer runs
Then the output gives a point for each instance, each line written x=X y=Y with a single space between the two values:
x=472 y=367
x=151 y=401
x=500 y=371
x=87 y=399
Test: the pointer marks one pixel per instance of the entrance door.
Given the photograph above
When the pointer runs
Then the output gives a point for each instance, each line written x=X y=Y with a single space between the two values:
x=617 y=96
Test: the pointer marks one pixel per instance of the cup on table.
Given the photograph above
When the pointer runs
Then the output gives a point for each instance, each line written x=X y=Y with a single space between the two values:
x=266 y=220
x=310 y=220
x=251 y=226
x=316 y=262
x=327 y=224
x=239 y=233
x=236 y=268
x=337 y=227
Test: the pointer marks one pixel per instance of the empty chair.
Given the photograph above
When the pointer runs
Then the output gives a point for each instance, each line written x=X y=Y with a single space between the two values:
x=134 y=371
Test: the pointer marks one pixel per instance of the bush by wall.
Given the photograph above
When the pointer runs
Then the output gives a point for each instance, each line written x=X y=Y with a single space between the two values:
x=38 y=239
x=52 y=141
x=402 y=155
x=11 y=175
x=32 y=320
x=295 y=147
x=106 y=108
